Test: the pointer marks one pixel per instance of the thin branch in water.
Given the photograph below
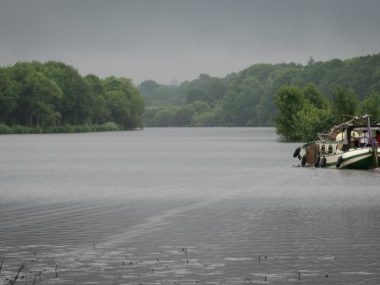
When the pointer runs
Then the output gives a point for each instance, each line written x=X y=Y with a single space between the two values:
x=38 y=273
x=13 y=281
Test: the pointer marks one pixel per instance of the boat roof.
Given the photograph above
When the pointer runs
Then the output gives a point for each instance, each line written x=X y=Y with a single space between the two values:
x=356 y=122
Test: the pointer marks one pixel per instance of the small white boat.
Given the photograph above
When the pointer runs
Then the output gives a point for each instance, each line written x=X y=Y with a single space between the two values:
x=344 y=146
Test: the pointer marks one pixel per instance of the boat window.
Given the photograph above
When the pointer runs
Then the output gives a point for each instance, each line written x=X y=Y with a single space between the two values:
x=330 y=149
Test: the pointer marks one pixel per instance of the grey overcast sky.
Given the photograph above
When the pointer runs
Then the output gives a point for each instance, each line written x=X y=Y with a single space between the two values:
x=180 y=39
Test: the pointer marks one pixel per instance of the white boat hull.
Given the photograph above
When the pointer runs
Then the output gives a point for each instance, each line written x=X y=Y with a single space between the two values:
x=361 y=158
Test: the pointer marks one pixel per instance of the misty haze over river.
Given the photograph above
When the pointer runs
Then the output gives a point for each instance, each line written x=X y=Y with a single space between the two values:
x=182 y=206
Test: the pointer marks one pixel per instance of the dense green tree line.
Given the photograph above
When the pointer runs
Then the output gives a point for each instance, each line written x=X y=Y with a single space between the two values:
x=53 y=96
x=304 y=112
x=249 y=97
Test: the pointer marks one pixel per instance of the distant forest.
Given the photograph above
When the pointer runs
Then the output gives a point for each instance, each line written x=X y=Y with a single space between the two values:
x=54 y=97
x=252 y=97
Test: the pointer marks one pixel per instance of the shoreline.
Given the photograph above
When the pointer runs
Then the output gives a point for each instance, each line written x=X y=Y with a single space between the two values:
x=64 y=129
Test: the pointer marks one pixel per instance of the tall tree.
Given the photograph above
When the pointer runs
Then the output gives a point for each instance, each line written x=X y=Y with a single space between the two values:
x=131 y=106
x=314 y=96
x=76 y=102
x=9 y=95
x=344 y=101
x=38 y=100
x=289 y=100
x=148 y=87
x=371 y=105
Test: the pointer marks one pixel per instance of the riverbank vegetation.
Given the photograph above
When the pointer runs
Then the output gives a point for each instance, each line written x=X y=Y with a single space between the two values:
x=53 y=97
x=292 y=97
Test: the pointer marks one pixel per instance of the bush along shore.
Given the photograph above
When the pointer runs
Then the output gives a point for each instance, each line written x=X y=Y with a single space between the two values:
x=18 y=129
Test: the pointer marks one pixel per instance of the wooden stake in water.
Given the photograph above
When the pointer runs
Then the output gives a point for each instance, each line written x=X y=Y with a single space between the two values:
x=56 y=270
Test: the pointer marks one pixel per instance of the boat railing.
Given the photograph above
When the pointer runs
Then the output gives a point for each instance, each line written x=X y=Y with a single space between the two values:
x=324 y=137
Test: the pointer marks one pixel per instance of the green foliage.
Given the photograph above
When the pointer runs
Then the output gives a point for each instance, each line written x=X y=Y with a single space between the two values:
x=195 y=94
x=108 y=126
x=200 y=107
x=160 y=95
x=344 y=101
x=247 y=98
x=53 y=97
x=314 y=96
x=83 y=128
x=371 y=105
x=39 y=108
x=308 y=123
x=290 y=101
x=163 y=117
x=18 y=129
x=183 y=116
x=205 y=119
x=195 y=115
x=118 y=104
x=206 y=88
x=4 y=129
x=67 y=128
x=124 y=102
x=298 y=118
x=148 y=87
x=9 y=95
x=76 y=103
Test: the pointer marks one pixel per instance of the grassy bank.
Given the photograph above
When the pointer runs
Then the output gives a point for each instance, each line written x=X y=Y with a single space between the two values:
x=18 y=129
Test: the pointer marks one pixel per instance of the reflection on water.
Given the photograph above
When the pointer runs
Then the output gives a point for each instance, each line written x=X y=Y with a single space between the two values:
x=182 y=206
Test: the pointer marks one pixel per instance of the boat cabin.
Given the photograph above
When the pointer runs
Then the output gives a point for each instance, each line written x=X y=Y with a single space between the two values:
x=353 y=134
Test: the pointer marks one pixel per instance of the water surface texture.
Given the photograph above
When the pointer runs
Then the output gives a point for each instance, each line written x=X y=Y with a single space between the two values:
x=182 y=206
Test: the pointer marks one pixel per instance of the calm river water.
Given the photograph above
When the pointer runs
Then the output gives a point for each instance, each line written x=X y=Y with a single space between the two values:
x=182 y=206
